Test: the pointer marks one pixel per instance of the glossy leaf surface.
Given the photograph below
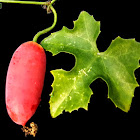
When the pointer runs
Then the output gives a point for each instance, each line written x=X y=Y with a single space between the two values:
x=115 y=66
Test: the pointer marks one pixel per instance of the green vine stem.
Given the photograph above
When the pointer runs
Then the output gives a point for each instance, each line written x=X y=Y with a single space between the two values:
x=49 y=7
x=47 y=29
x=24 y=2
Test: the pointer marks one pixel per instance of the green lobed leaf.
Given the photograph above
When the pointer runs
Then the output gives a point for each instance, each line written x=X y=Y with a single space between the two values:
x=115 y=66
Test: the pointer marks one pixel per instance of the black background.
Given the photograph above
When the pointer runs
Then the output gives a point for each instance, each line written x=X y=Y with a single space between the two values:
x=19 y=23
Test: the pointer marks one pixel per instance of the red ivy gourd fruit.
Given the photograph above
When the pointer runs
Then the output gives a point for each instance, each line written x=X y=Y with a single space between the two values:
x=24 y=82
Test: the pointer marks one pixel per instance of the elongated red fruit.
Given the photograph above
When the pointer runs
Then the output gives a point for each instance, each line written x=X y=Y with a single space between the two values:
x=24 y=81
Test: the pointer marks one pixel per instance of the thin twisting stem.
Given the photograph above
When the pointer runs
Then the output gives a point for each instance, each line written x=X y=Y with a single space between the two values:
x=52 y=1
x=24 y=2
x=49 y=4
x=48 y=29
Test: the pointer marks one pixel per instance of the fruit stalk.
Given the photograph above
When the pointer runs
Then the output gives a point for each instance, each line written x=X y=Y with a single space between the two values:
x=48 y=8
x=47 y=29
